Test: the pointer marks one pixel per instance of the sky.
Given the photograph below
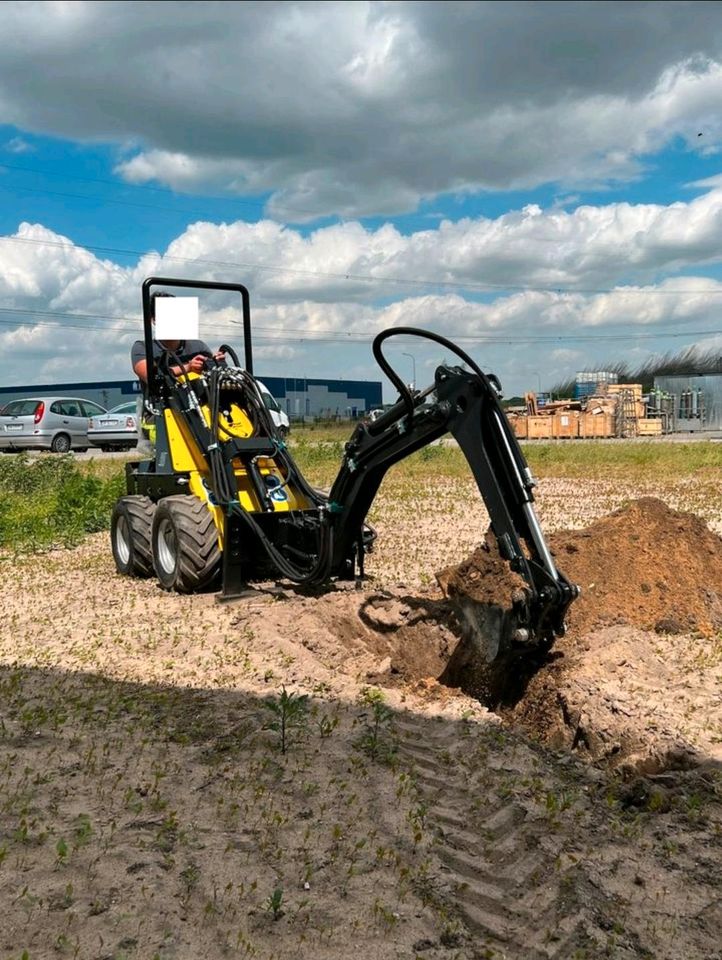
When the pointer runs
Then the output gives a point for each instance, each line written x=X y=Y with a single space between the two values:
x=541 y=182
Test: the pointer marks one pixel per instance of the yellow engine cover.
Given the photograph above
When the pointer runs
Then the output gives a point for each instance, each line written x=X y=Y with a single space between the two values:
x=186 y=457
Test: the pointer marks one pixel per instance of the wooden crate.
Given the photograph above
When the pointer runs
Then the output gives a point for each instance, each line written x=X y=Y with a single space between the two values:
x=634 y=388
x=649 y=428
x=565 y=425
x=539 y=428
x=520 y=426
x=596 y=425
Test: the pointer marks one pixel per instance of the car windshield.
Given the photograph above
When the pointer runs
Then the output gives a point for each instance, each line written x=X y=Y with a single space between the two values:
x=20 y=408
x=125 y=408
x=270 y=402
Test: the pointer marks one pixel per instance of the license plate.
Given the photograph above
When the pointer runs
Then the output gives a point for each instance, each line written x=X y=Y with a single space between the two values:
x=108 y=423
x=14 y=426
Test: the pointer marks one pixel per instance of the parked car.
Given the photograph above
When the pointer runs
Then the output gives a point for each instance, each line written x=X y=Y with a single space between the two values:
x=117 y=429
x=280 y=418
x=59 y=424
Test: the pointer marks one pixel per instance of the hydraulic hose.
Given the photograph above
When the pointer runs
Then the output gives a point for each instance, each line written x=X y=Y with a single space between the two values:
x=404 y=391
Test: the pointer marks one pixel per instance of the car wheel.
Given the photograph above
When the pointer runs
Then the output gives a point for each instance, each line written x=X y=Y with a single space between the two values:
x=186 y=556
x=130 y=536
x=283 y=432
x=60 y=443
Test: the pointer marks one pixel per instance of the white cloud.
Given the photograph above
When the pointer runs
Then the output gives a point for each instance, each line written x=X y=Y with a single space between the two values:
x=308 y=323
x=360 y=108
x=18 y=145
x=589 y=248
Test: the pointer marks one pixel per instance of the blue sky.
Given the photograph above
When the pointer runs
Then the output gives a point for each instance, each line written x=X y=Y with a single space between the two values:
x=73 y=188
x=400 y=175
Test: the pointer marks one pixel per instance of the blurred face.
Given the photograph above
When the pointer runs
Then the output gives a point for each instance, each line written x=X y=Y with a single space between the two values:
x=171 y=344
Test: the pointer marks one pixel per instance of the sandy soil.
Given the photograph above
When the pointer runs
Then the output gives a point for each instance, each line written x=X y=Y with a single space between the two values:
x=147 y=809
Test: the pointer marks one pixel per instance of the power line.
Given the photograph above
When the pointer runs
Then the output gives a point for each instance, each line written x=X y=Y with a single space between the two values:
x=102 y=200
x=488 y=286
x=255 y=204
x=327 y=336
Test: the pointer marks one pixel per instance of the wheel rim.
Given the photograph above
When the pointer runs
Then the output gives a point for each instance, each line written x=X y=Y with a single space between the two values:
x=166 y=546
x=62 y=444
x=122 y=540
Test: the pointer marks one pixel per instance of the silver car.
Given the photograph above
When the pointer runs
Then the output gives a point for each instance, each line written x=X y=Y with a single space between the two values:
x=59 y=424
x=117 y=429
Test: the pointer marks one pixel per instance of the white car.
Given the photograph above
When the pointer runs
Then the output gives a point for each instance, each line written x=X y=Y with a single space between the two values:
x=280 y=418
x=117 y=429
x=59 y=424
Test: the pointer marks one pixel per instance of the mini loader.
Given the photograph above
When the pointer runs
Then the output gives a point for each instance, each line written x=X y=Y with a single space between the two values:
x=223 y=501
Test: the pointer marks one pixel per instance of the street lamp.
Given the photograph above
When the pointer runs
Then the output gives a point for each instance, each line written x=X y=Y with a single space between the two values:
x=413 y=361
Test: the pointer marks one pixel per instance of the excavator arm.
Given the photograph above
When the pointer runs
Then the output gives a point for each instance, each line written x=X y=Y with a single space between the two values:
x=465 y=404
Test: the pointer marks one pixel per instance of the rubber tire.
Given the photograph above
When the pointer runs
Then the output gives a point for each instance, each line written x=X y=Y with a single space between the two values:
x=195 y=556
x=59 y=441
x=138 y=513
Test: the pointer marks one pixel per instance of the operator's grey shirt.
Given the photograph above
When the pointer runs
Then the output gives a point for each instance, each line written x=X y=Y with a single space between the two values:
x=187 y=349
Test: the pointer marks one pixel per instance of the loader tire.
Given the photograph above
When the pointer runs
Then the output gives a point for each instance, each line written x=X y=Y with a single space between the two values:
x=130 y=536
x=186 y=556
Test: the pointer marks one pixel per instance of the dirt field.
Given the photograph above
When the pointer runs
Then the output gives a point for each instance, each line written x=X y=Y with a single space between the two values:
x=148 y=809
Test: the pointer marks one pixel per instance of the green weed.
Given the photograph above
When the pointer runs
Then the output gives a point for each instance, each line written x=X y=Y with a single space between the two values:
x=50 y=501
x=289 y=712
x=274 y=903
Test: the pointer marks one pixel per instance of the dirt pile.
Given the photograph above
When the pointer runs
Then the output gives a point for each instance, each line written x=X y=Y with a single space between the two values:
x=645 y=565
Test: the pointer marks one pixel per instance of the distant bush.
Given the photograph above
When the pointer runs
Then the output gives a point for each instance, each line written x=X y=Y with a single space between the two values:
x=51 y=501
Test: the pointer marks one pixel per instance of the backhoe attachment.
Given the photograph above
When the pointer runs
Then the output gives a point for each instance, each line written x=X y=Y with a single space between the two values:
x=464 y=403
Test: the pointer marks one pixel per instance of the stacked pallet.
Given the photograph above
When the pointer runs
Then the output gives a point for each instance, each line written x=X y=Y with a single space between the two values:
x=618 y=411
x=631 y=393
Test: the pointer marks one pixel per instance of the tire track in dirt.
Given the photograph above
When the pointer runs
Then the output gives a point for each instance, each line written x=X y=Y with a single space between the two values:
x=501 y=862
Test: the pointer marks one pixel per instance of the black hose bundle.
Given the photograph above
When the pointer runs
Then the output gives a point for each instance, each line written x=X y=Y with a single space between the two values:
x=223 y=480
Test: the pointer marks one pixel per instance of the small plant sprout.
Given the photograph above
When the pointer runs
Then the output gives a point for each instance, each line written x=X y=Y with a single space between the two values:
x=274 y=903
x=372 y=740
x=289 y=712
x=61 y=850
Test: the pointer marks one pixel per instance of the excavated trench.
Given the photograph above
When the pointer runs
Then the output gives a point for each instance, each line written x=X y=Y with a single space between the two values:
x=633 y=684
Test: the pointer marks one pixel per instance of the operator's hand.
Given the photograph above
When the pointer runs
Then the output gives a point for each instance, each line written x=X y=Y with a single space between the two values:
x=196 y=364
x=219 y=356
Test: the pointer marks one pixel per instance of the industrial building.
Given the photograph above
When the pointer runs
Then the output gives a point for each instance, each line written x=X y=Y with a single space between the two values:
x=300 y=397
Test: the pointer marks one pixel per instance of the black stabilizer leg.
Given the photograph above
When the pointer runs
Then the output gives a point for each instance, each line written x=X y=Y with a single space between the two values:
x=234 y=582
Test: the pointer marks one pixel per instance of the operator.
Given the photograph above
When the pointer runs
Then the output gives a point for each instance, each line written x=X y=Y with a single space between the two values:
x=191 y=353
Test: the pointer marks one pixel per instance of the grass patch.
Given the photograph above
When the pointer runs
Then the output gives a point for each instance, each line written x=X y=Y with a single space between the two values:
x=54 y=501
x=631 y=458
x=322 y=432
